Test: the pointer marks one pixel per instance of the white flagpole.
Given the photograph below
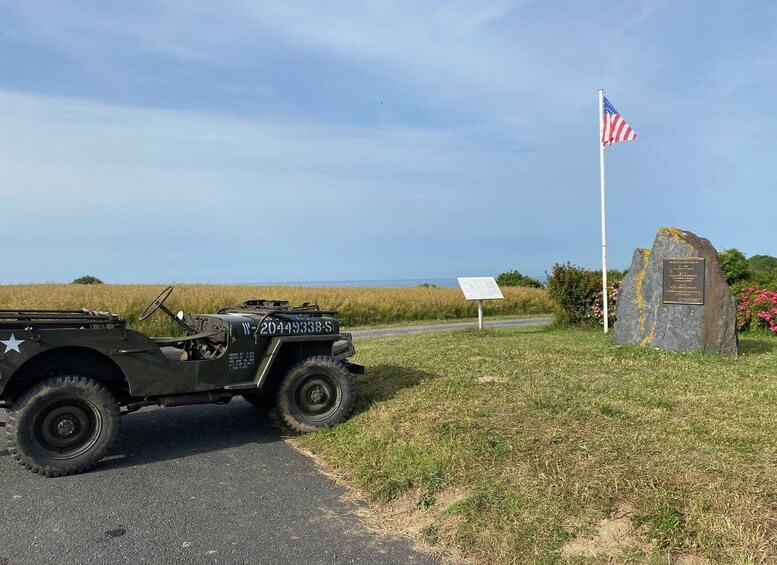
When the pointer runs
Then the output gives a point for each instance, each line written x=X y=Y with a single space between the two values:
x=605 y=297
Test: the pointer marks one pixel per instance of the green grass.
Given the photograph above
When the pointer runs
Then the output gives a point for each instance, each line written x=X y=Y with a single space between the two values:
x=508 y=444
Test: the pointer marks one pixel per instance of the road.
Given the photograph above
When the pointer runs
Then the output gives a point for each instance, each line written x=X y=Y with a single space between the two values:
x=401 y=330
x=198 y=484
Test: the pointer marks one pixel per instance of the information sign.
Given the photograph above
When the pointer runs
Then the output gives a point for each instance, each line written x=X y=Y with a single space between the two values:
x=480 y=288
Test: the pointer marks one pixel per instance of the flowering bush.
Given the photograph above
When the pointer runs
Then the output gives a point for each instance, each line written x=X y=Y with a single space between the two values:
x=575 y=291
x=757 y=308
x=597 y=310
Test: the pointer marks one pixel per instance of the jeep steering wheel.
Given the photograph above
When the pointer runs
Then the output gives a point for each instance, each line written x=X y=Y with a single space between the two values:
x=157 y=303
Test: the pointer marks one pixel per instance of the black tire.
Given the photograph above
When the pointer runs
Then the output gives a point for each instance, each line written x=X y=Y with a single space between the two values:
x=318 y=392
x=62 y=426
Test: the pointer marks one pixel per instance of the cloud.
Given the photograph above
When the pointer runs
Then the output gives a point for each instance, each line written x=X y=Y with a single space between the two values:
x=421 y=137
x=104 y=177
x=487 y=62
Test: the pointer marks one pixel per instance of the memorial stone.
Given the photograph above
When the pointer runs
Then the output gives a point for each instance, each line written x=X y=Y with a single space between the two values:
x=674 y=297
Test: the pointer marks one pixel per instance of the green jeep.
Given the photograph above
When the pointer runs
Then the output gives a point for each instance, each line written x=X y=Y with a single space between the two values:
x=66 y=376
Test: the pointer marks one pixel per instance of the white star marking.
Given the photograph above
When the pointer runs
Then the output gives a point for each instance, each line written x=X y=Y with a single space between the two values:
x=12 y=344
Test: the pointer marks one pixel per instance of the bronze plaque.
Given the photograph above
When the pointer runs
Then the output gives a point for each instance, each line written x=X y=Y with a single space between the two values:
x=684 y=281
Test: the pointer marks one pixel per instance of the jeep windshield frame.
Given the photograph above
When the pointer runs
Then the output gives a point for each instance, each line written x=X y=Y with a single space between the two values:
x=25 y=318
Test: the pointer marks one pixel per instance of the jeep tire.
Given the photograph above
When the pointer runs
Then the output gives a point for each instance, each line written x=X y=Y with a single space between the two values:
x=316 y=393
x=62 y=426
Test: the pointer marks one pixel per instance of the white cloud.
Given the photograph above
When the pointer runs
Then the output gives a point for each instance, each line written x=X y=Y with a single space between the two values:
x=510 y=89
x=128 y=183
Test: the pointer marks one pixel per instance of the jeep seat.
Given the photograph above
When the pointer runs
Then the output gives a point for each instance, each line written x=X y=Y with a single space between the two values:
x=174 y=354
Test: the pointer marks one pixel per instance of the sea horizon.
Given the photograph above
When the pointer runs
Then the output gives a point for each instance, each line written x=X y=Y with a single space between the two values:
x=442 y=282
x=445 y=282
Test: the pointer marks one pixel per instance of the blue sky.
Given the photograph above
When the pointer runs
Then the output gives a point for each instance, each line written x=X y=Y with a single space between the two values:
x=249 y=141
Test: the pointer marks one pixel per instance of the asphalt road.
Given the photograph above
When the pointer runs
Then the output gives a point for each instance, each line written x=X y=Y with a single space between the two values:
x=489 y=324
x=198 y=484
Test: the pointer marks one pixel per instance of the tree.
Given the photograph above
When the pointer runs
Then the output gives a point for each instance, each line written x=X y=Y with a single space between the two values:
x=734 y=265
x=514 y=278
x=87 y=279
x=762 y=263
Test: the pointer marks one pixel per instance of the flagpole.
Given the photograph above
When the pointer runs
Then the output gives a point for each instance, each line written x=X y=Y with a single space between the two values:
x=605 y=297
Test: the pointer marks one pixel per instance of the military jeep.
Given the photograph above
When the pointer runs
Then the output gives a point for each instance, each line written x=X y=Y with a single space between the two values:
x=66 y=376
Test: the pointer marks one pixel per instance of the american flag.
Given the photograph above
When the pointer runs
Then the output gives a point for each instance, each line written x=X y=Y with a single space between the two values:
x=615 y=128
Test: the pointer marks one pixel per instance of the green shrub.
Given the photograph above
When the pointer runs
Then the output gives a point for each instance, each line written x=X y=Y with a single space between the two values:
x=734 y=265
x=87 y=279
x=576 y=293
x=763 y=272
x=514 y=278
x=573 y=291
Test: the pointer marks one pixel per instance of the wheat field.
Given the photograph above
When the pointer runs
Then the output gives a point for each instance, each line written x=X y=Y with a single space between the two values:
x=357 y=306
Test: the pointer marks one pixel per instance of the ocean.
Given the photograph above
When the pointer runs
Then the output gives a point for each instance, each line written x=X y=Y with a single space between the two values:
x=368 y=283
x=402 y=283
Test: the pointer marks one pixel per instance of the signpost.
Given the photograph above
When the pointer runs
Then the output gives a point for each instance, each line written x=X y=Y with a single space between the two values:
x=480 y=289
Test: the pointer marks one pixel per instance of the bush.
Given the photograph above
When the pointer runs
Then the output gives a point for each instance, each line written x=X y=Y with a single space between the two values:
x=763 y=271
x=758 y=271
x=577 y=294
x=757 y=309
x=514 y=278
x=87 y=279
x=597 y=310
x=734 y=265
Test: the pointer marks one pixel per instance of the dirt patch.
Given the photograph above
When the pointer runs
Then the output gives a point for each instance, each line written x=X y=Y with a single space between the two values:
x=613 y=536
x=407 y=511
x=684 y=559
x=422 y=521
x=490 y=379
x=425 y=521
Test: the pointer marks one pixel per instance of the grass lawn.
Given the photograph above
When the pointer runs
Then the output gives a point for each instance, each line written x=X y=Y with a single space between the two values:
x=546 y=445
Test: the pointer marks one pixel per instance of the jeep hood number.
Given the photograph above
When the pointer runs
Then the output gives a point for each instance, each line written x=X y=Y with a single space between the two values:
x=281 y=327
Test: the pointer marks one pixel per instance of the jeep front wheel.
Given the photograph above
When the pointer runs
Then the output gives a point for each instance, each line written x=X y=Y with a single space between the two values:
x=316 y=393
x=62 y=426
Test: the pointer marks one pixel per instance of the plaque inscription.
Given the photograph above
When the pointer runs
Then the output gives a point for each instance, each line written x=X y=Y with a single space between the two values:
x=683 y=281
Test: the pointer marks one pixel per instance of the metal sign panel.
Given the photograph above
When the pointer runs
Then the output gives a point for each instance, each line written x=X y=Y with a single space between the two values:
x=480 y=288
x=683 y=281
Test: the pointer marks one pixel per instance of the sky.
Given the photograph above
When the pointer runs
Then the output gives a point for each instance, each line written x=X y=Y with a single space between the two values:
x=246 y=141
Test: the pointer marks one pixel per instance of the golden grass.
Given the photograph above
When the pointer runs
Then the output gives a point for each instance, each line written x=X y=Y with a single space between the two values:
x=357 y=306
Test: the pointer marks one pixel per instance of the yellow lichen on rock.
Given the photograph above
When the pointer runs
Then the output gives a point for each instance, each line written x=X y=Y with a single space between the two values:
x=638 y=287
x=675 y=233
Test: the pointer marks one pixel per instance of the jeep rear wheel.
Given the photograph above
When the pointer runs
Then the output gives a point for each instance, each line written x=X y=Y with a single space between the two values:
x=316 y=393
x=62 y=426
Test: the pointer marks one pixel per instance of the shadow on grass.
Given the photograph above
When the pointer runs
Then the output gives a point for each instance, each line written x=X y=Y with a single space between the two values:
x=383 y=382
x=756 y=346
